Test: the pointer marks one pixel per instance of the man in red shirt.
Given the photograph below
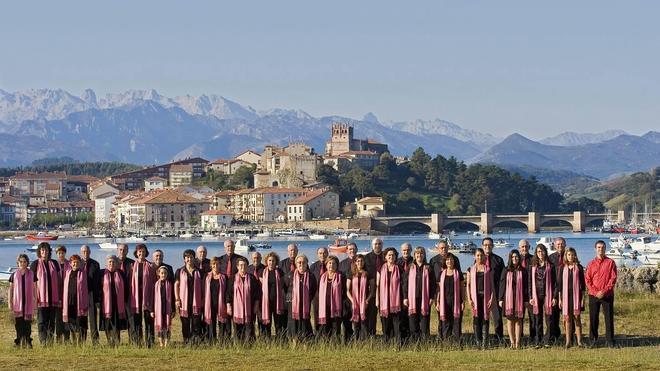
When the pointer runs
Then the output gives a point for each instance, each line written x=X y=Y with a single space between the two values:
x=600 y=278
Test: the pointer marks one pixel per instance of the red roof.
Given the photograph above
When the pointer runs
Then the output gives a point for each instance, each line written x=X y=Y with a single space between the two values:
x=181 y=168
x=307 y=197
x=60 y=175
x=277 y=190
x=217 y=212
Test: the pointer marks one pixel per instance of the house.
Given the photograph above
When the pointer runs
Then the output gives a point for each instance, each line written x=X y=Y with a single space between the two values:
x=101 y=188
x=263 y=204
x=227 y=167
x=69 y=209
x=77 y=186
x=155 y=182
x=291 y=166
x=19 y=205
x=342 y=141
x=103 y=208
x=51 y=185
x=181 y=175
x=134 y=180
x=164 y=209
x=213 y=220
x=222 y=200
x=249 y=156
x=317 y=203
x=370 y=207
x=364 y=159
x=7 y=214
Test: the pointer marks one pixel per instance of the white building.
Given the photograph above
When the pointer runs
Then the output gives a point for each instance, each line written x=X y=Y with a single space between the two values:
x=216 y=219
x=103 y=208
x=155 y=182
x=315 y=204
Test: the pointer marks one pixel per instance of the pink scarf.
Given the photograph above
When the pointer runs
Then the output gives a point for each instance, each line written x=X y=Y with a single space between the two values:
x=82 y=295
x=265 y=308
x=22 y=308
x=148 y=276
x=222 y=305
x=158 y=306
x=335 y=297
x=359 y=294
x=412 y=292
x=473 y=291
x=390 y=288
x=43 y=300
x=548 y=289
x=295 y=300
x=576 y=291
x=242 y=305
x=183 y=293
x=63 y=270
x=457 y=295
x=107 y=294
x=508 y=308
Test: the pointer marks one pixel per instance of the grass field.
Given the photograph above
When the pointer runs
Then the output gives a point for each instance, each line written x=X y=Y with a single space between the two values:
x=637 y=322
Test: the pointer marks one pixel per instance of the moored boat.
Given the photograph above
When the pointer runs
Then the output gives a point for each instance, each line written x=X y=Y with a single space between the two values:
x=339 y=246
x=41 y=236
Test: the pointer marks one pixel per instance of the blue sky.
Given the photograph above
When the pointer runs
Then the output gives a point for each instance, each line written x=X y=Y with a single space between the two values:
x=494 y=66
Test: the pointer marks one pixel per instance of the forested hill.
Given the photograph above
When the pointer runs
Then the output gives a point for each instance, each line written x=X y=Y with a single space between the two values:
x=72 y=167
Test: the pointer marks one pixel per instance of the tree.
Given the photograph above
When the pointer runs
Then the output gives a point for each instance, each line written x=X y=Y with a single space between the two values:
x=328 y=175
x=243 y=177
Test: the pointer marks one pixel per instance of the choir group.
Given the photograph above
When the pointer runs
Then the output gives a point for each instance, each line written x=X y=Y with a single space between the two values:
x=227 y=298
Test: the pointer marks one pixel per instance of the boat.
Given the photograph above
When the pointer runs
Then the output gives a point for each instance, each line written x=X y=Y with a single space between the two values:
x=616 y=252
x=41 y=236
x=261 y=245
x=264 y=234
x=134 y=239
x=8 y=239
x=547 y=242
x=187 y=235
x=652 y=259
x=645 y=245
x=339 y=247
x=619 y=242
x=292 y=233
x=502 y=243
x=467 y=247
x=19 y=237
x=33 y=248
x=434 y=236
x=100 y=235
x=243 y=246
x=477 y=234
x=315 y=236
x=6 y=273
x=108 y=246
x=209 y=237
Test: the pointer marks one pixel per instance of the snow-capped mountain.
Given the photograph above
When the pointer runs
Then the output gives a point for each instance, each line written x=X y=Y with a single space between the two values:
x=570 y=138
x=442 y=127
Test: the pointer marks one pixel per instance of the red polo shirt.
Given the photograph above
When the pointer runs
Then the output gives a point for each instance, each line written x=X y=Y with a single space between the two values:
x=601 y=276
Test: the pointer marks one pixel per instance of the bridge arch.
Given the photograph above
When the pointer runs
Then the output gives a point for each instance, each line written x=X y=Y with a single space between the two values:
x=461 y=225
x=510 y=224
x=556 y=222
x=406 y=227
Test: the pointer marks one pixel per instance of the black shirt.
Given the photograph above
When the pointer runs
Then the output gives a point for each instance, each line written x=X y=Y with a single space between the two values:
x=72 y=300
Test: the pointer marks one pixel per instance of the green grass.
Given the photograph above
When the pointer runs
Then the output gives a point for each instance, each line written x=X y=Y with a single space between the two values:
x=637 y=328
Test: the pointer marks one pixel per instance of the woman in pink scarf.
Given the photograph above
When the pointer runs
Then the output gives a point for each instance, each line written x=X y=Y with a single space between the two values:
x=273 y=310
x=163 y=307
x=331 y=294
x=61 y=328
x=244 y=295
x=49 y=300
x=143 y=277
x=542 y=278
x=22 y=301
x=419 y=293
x=215 y=303
x=114 y=294
x=480 y=297
x=75 y=301
x=513 y=296
x=390 y=296
x=570 y=287
x=188 y=292
x=301 y=288
x=450 y=297
x=360 y=289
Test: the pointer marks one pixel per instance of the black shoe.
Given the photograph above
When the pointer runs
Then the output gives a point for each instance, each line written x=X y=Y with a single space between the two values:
x=612 y=346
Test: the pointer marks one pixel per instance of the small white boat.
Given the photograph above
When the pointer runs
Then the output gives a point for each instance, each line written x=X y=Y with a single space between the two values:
x=6 y=273
x=652 y=259
x=108 y=246
x=261 y=245
x=99 y=235
x=209 y=237
x=547 y=242
x=19 y=237
x=33 y=248
x=645 y=245
x=317 y=236
x=265 y=234
x=502 y=243
x=8 y=239
x=477 y=233
x=434 y=236
x=619 y=242
x=242 y=245
x=187 y=235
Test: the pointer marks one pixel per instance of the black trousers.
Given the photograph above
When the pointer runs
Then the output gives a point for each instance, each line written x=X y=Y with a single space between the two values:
x=299 y=329
x=532 y=334
x=112 y=332
x=331 y=329
x=595 y=304
x=496 y=319
x=554 y=329
x=190 y=328
x=46 y=317
x=539 y=335
x=360 y=331
x=143 y=328
x=372 y=315
x=244 y=332
x=93 y=319
x=77 y=325
x=404 y=324
x=418 y=326
x=218 y=330
x=277 y=320
x=391 y=327
x=480 y=325
x=348 y=324
x=23 y=331
x=61 y=330
x=450 y=328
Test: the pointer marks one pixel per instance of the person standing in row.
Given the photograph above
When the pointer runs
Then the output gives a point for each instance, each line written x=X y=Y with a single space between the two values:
x=201 y=261
x=361 y=288
x=288 y=265
x=163 y=307
x=92 y=269
x=301 y=289
x=345 y=267
x=75 y=301
x=438 y=261
x=244 y=294
x=542 y=278
x=600 y=278
x=495 y=264
x=229 y=267
x=125 y=265
x=526 y=263
x=114 y=293
x=158 y=259
x=390 y=296
x=257 y=267
x=188 y=298
x=273 y=311
x=318 y=268
x=142 y=280
x=22 y=300
x=61 y=329
x=374 y=260
x=571 y=286
x=419 y=293
x=513 y=297
x=481 y=297
x=48 y=293
x=557 y=260
x=450 y=299
x=215 y=304
x=331 y=295
x=405 y=262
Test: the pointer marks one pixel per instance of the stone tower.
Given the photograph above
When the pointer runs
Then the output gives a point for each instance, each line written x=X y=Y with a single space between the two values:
x=341 y=139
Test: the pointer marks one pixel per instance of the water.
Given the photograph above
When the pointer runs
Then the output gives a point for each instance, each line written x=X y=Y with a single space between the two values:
x=173 y=249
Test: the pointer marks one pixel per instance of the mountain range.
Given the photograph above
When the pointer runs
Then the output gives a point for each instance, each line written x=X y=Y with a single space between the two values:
x=145 y=127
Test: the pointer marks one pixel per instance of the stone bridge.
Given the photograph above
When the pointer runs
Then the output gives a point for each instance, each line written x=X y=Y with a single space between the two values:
x=486 y=221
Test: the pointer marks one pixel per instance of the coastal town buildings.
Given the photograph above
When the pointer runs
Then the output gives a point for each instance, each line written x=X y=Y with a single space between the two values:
x=213 y=220
x=101 y=188
x=103 y=209
x=291 y=166
x=155 y=182
x=249 y=156
x=181 y=175
x=370 y=207
x=60 y=209
x=46 y=185
x=134 y=180
x=264 y=204
x=227 y=166
x=314 y=204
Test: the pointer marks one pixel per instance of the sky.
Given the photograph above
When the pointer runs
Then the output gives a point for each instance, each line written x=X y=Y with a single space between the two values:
x=536 y=68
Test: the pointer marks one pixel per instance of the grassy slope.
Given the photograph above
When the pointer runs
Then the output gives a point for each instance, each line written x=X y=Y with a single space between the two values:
x=637 y=325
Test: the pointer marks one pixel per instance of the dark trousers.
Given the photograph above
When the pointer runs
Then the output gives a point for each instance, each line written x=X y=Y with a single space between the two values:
x=331 y=329
x=391 y=327
x=554 y=330
x=359 y=330
x=78 y=326
x=480 y=325
x=539 y=335
x=277 y=320
x=450 y=328
x=532 y=334
x=299 y=329
x=607 y=303
x=348 y=326
x=218 y=330
x=61 y=330
x=92 y=319
x=190 y=329
x=496 y=320
x=112 y=332
x=131 y=323
x=404 y=324
x=46 y=324
x=372 y=315
x=143 y=328
x=23 y=332
x=418 y=326
x=244 y=332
